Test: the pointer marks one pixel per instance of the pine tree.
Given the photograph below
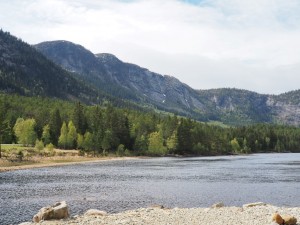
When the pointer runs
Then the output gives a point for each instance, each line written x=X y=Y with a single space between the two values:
x=184 y=137
x=78 y=118
x=55 y=125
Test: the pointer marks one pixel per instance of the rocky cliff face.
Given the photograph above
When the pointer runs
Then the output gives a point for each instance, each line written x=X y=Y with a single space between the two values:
x=131 y=82
x=285 y=107
x=125 y=80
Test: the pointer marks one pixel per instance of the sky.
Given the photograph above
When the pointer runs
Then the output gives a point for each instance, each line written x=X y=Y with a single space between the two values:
x=245 y=44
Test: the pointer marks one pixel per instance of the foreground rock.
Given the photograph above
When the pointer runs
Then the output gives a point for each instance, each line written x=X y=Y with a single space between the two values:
x=284 y=219
x=255 y=215
x=55 y=212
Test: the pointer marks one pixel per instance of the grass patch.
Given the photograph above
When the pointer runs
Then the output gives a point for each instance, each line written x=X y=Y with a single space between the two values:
x=8 y=147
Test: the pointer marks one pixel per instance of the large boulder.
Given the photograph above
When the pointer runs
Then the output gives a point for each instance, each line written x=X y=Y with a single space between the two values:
x=284 y=219
x=55 y=212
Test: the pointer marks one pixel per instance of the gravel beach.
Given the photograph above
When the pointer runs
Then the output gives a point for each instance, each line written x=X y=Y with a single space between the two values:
x=259 y=214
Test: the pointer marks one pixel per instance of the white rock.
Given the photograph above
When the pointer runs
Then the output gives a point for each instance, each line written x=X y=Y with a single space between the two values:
x=95 y=212
x=56 y=212
x=254 y=204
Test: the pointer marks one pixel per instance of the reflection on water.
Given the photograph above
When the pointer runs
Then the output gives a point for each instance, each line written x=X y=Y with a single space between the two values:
x=183 y=182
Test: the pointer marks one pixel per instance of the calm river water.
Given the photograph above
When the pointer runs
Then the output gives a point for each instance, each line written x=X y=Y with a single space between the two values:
x=173 y=182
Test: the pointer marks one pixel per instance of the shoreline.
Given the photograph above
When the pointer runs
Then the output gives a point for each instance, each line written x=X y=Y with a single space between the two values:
x=72 y=161
x=249 y=214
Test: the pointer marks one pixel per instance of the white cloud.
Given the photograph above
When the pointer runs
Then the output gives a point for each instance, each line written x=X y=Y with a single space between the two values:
x=250 y=44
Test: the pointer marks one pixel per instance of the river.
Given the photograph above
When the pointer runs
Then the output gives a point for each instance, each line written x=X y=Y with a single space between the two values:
x=116 y=186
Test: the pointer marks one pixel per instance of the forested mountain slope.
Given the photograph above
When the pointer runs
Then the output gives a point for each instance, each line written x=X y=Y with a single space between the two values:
x=25 y=71
x=74 y=73
x=230 y=106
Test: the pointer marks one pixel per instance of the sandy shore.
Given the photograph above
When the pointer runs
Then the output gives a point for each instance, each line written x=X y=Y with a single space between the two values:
x=60 y=161
x=257 y=215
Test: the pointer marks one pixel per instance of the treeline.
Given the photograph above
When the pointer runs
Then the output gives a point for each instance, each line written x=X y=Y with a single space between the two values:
x=106 y=129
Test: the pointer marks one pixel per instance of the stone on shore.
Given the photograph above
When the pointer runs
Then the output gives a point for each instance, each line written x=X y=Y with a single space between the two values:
x=254 y=204
x=284 y=219
x=289 y=220
x=55 y=212
x=218 y=205
x=95 y=212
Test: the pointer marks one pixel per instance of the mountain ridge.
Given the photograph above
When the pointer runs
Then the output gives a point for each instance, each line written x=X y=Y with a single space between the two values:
x=75 y=73
x=228 y=105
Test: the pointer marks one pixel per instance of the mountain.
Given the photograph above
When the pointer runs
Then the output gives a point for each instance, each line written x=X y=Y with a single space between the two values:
x=26 y=71
x=125 y=80
x=235 y=106
x=61 y=69
x=129 y=81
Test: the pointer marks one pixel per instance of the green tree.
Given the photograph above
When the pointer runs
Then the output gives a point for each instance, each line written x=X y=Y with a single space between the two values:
x=46 y=134
x=39 y=145
x=107 y=141
x=184 y=137
x=88 y=141
x=279 y=146
x=172 y=141
x=96 y=123
x=120 y=150
x=156 y=144
x=235 y=145
x=55 y=124
x=72 y=135
x=245 y=149
x=63 y=138
x=140 y=144
x=79 y=119
x=80 y=141
x=24 y=131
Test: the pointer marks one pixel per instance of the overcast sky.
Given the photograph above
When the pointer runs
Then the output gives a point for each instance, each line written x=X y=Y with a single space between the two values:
x=247 y=44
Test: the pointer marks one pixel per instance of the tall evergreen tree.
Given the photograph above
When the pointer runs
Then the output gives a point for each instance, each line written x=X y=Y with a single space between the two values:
x=184 y=137
x=55 y=124
x=79 y=119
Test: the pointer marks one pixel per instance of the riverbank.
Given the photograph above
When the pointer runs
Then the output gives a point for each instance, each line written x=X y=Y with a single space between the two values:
x=39 y=162
x=247 y=215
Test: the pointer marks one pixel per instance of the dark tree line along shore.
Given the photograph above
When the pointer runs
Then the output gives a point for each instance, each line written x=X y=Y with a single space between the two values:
x=107 y=129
